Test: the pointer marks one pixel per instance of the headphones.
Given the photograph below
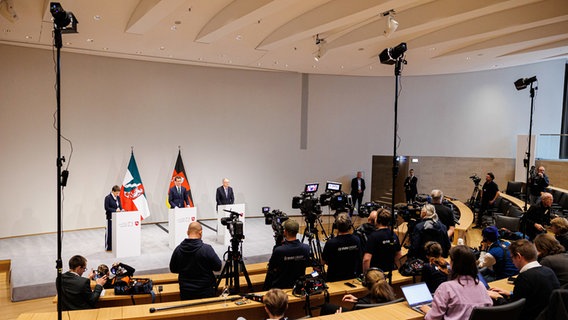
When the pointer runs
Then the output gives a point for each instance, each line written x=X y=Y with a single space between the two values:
x=364 y=275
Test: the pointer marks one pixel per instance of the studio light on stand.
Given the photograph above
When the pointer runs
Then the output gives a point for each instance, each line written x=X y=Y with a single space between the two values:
x=394 y=56
x=391 y=24
x=522 y=84
x=63 y=22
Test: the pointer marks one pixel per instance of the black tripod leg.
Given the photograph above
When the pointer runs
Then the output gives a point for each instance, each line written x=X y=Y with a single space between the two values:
x=245 y=273
x=222 y=275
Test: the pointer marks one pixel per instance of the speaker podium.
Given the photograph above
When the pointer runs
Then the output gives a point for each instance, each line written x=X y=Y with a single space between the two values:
x=178 y=221
x=126 y=228
x=223 y=235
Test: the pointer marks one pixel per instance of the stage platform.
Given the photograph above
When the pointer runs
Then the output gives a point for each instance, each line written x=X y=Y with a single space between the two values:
x=33 y=269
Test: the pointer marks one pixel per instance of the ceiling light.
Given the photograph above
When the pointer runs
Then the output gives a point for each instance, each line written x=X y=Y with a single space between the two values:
x=523 y=83
x=320 y=43
x=391 y=24
x=390 y=55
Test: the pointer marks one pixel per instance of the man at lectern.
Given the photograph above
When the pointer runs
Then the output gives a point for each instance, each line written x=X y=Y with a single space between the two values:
x=225 y=194
x=112 y=204
x=178 y=196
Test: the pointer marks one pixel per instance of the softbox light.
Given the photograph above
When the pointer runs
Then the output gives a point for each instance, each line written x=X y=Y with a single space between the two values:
x=523 y=83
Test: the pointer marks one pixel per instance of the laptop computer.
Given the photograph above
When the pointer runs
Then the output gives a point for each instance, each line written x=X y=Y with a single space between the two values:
x=417 y=295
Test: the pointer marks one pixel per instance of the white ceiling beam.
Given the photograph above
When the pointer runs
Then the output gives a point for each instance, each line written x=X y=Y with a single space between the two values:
x=148 y=13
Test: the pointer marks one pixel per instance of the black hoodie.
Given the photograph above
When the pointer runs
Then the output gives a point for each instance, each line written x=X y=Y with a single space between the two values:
x=195 y=262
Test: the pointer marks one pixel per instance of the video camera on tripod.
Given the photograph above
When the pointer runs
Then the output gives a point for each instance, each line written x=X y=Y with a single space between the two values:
x=308 y=203
x=475 y=178
x=234 y=225
x=366 y=208
x=335 y=198
x=275 y=218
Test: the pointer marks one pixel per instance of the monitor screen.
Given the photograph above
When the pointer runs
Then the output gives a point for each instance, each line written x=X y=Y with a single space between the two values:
x=311 y=187
x=333 y=186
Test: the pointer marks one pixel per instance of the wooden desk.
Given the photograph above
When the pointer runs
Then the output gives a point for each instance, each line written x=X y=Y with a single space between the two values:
x=516 y=201
x=251 y=310
x=466 y=219
x=503 y=284
x=399 y=310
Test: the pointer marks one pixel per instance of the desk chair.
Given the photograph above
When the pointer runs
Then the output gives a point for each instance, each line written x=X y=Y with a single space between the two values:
x=510 y=311
x=515 y=189
x=359 y=306
x=510 y=223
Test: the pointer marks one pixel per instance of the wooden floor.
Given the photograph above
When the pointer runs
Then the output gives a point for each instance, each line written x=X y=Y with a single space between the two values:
x=11 y=310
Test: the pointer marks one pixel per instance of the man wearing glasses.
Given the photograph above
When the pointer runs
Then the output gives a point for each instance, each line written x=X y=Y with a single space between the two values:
x=76 y=293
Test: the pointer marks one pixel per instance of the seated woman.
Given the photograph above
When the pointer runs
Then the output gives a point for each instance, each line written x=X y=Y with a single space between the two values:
x=379 y=291
x=552 y=254
x=455 y=299
x=559 y=226
x=436 y=269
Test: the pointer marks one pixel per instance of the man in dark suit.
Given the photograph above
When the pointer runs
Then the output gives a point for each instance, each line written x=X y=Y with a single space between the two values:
x=225 y=194
x=76 y=291
x=411 y=186
x=178 y=196
x=534 y=282
x=357 y=189
x=112 y=204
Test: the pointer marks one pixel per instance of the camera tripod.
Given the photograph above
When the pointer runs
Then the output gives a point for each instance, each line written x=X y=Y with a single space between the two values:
x=233 y=265
x=471 y=203
x=312 y=233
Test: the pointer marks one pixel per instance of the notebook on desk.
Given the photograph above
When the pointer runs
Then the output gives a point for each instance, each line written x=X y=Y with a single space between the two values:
x=417 y=295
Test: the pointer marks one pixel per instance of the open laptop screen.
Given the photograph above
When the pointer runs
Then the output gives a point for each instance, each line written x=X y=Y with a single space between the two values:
x=417 y=294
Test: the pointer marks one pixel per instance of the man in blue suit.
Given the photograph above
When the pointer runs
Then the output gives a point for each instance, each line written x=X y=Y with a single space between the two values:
x=225 y=194
x=178 y=196
x=112 y=204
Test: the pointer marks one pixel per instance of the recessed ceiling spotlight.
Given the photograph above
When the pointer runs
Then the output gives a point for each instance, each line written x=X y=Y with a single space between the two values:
x=467 y=58
x=162 y=48
x=7 y=30
x=68 y=43
x=259 y=64
x=105 y=48
x=286 y=65
x=200 y=59
x=97 y=17
x=90 y=40
x=173 y=28
x=433 y=49
x=239 y=37
x=342 y=67
x=138 y=52
x=28 y=37
x=391 y=23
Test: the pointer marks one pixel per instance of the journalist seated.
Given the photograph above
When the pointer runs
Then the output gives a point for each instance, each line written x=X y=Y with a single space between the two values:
x=379 y=291
x=118 y=272
x=495 y=261
x=76 y=293
x=275 y=304
x=429 y=229
x=288 y=261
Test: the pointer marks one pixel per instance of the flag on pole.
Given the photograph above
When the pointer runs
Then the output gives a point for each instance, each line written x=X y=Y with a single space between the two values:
x=179 y=170
x=132 y=191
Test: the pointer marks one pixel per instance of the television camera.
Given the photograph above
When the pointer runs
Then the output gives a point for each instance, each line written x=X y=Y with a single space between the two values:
x=475 y=178
x=308 y=203
x=335 y=198
x=234 y=225
x=366 y=208
x=275 y=218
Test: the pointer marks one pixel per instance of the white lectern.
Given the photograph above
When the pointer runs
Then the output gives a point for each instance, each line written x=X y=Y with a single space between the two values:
x=126 y=234
x=223 y=235
x=178 y=221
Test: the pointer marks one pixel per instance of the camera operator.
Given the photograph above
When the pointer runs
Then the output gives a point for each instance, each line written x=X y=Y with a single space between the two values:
x=489 y=193
x=76 y=291
x=365 y=230
x=538 y=182
x=342 y=254
x=429 y=229
x=288 y=261
x=383 y=247
x=445 y=214
x=195 y=262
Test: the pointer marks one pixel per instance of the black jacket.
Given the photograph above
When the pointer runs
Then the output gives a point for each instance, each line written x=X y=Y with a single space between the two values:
x=76 y=292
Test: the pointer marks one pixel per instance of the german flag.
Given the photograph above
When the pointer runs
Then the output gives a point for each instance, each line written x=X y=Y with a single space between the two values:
x=179 y=170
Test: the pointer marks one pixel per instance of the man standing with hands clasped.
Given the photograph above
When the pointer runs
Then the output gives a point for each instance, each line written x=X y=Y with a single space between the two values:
x=357 y=189
x=225 y=194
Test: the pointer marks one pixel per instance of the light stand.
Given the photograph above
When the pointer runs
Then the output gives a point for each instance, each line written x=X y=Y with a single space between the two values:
x=394 y=56
x=520 y=85
x=61 y=20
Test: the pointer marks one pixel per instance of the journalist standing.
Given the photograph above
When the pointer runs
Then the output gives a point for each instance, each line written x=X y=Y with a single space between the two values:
x=112 y=204
x=195 y=262
x=76 y=293
x=538 y=182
